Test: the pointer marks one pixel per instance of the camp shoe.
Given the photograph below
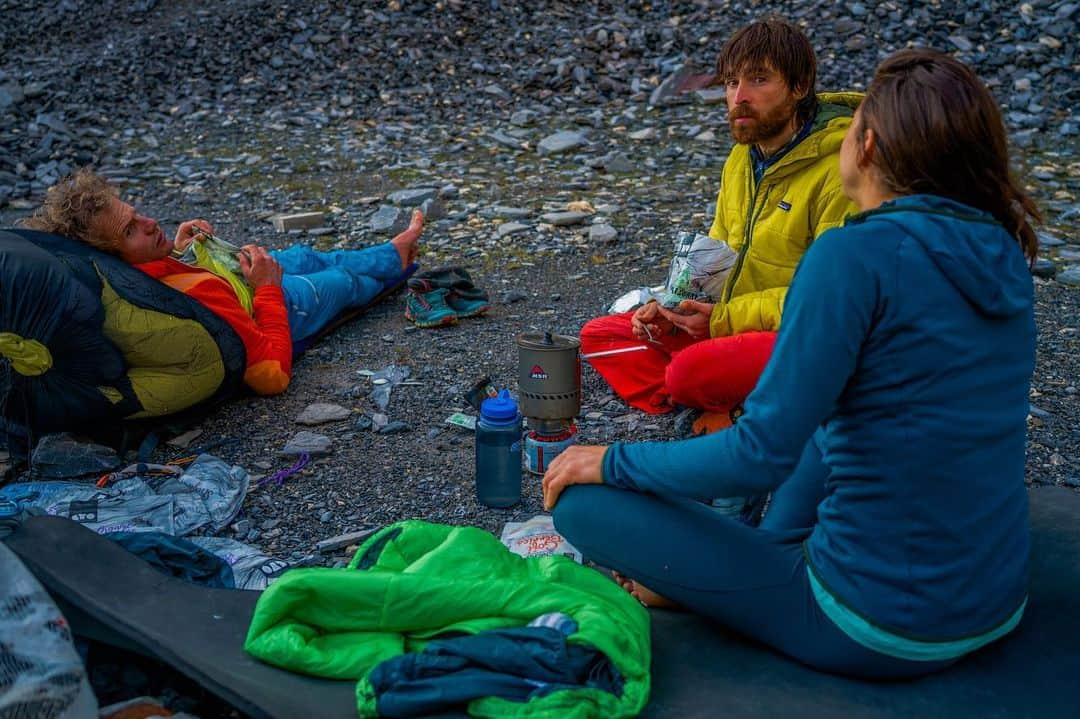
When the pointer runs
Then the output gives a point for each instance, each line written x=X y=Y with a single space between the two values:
x=428 y=308
x=466 y=306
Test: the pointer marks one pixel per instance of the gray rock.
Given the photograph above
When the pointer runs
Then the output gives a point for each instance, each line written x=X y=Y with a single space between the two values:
x=433 y=209
x=1070 y=276
x=561 y=142
x=561 y=219
x=509 y=213
x=602 y=233
x=961 y=42
x=617 y=162
x=389 y=220
x=1044 y=268
x=511 y=296
x=507 y=141
x=507 y=229
x=414 y=197
x=711 y=95
x=523 y=118
x=395 y=428
x=1046 y=240
x=320 y=413
x=668 y=91
x=309 y=442
x=648 y=133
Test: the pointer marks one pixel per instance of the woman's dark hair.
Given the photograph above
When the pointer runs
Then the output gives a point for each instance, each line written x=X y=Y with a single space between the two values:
x=938 y=131
x=774 y=42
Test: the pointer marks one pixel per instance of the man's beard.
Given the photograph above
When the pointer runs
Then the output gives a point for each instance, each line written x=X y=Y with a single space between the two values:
x=767 y=127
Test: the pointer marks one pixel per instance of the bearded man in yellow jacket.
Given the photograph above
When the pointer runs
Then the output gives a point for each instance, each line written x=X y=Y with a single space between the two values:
x=779 y=190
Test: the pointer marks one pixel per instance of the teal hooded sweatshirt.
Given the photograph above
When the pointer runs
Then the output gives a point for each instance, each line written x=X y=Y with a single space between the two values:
x=906 y=354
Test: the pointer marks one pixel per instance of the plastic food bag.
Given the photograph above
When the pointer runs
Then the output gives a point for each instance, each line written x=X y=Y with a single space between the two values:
x=537 y=538
x=41 y=675
x=699 y=269
x=385 y=380
x=219 y=256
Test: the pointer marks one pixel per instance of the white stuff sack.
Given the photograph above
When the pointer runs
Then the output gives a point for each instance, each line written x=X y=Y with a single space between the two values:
x=537 y=538
x=41 y=675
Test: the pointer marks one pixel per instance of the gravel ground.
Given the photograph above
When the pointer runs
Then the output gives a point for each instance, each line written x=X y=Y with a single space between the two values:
x=249 y=108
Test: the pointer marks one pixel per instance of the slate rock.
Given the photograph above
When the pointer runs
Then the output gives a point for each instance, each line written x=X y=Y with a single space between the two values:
x=562 y=219
x=320 y=413
x=509 y=213
x=1070 y=276
x=602 y=233
x=414 y=197
x=389 y=220
x=1044 y=268
x=507 y=229
x=560 y=142
x=394 y=427
x=310 y=442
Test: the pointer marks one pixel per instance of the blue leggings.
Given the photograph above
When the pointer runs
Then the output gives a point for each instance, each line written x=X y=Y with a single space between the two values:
x=318 y=286
x=752 y=580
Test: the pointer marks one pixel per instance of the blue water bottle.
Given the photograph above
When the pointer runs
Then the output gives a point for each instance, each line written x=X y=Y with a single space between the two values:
x=498 y=452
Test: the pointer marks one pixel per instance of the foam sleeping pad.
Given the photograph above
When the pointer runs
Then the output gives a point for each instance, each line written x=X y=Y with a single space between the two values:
x=698 y=669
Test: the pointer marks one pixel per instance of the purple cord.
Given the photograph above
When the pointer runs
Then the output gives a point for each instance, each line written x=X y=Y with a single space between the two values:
x=302 y=461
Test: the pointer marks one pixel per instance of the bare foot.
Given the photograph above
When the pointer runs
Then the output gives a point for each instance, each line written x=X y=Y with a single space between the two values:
x=407 y=243
x=643 y=594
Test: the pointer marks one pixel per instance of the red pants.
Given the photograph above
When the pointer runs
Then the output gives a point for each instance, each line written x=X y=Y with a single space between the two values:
x=709 y=374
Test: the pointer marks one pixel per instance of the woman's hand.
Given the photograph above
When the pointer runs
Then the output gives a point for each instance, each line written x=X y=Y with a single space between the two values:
x=187 y=232
x=692 y=317
x=258 y=267
x=647 y=323
x=577 y=464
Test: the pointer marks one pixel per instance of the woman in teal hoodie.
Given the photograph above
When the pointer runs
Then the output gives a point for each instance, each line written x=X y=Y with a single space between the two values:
x=897 y=395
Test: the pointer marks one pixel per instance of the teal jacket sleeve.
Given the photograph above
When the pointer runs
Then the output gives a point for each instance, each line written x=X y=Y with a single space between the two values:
x=829 y=312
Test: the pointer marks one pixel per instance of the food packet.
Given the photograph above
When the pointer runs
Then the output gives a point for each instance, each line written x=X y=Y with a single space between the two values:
x=537 y=538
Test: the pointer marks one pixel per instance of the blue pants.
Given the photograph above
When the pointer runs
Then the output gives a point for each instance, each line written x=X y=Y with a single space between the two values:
x=752 y=580
x=318 y=286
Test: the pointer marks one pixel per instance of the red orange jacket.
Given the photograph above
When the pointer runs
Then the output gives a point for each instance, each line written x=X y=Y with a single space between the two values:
x=265 y=335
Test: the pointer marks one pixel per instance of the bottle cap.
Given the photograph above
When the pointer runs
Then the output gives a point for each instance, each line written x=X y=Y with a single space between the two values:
x=500 y=410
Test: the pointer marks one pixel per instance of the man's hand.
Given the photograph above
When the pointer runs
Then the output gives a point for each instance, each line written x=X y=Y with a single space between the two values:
x=258 y=267
x=692 y=317
x=575 y=465
x=647 y=323
x=186 y=233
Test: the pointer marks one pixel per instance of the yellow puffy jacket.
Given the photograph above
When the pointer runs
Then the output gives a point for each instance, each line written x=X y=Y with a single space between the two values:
x=771 y=225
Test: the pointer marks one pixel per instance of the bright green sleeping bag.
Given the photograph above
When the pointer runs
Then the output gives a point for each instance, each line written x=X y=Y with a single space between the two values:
x=414 y=580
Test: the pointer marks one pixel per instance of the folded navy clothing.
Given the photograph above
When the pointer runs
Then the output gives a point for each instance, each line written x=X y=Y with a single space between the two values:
x=177 y=557
x=515 y=664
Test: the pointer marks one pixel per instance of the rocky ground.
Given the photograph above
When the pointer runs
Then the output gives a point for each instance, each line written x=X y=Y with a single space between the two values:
x=240 y=110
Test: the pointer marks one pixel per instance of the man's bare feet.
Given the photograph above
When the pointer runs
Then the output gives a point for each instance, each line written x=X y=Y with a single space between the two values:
x=407 y=243
x=643 y=594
